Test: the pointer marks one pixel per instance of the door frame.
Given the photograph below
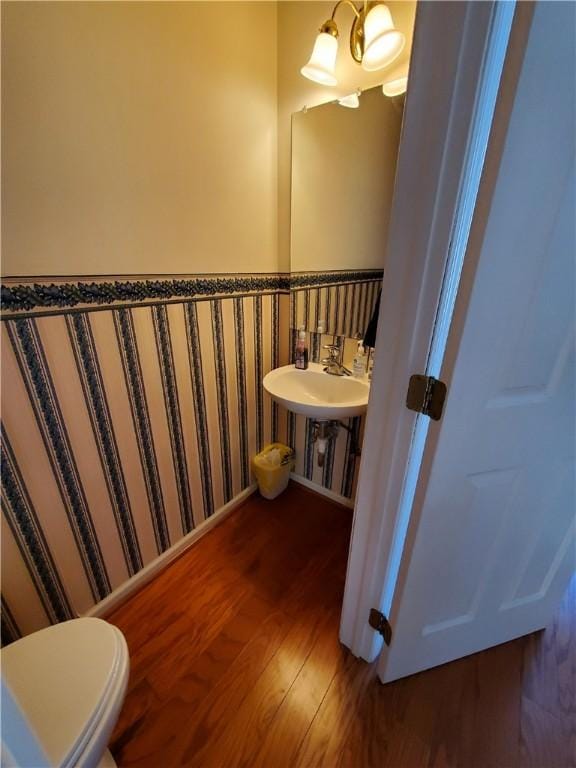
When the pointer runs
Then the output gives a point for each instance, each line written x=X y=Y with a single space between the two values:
x=443 y=107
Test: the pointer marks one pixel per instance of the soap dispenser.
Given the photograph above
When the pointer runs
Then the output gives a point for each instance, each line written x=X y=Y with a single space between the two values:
x=359 y=362
x=301 y=352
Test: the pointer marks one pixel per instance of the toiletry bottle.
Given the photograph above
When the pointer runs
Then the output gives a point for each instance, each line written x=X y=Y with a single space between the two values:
x=359 y=363
x=301 y=354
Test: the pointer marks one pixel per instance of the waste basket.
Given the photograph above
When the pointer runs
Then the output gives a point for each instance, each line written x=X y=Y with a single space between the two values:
x=272 y=469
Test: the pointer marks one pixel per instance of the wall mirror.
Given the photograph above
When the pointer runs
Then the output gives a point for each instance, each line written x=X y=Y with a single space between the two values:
x=343 y=169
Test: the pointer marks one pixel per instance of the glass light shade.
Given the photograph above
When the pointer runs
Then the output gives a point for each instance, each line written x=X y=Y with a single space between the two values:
x=351 y=101
x=395 y=87
x=382 y=42
x=322 y=63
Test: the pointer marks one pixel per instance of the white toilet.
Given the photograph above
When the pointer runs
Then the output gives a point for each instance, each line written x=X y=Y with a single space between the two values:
x=62 y=690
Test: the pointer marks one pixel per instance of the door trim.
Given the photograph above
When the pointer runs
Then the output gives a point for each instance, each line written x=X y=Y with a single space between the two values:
x=448 y=64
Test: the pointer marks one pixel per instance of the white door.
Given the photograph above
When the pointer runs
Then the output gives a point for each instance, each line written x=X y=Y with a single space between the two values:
x=490 y=543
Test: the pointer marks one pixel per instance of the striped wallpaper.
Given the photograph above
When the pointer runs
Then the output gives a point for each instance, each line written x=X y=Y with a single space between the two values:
x=125 y=426
x=339 y=473
x=342 y=302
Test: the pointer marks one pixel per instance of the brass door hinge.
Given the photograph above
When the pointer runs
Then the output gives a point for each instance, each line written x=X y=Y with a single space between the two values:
x=380 y=623
x=426 y=395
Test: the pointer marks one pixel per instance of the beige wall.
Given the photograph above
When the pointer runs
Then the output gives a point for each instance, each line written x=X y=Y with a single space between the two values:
x=343 y=168
x=154 y=137
x=139 y=137
x=298 y=24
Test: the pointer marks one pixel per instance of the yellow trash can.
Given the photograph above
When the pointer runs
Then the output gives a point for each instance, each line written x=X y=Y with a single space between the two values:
x=272 y=469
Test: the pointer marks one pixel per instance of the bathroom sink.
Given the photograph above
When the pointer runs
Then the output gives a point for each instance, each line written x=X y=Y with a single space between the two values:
x=316 y=394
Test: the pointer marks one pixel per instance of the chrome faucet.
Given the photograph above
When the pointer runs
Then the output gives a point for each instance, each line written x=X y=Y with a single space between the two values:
x=333 y=365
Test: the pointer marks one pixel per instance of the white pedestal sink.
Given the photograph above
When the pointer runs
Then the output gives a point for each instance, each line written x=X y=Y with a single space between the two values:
x=316 y=394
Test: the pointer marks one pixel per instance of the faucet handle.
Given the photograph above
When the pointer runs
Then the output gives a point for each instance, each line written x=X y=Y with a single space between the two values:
x=334 y=352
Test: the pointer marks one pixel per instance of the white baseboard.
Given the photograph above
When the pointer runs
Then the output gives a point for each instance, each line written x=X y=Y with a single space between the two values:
x=322 y=491
x=136 y=582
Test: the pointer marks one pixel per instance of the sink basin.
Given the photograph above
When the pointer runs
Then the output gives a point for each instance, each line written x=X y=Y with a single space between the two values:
x=316 y=394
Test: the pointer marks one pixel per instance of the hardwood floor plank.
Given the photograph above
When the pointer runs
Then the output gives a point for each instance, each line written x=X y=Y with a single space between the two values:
x=404 y=751
x=185 y=724
x=192 y=668
x=316 y=599
x=389 y=743
x=547 y=741
x=329 y=730
x=430 y=705
x=286 y=733
x=550 y=661
x=140 y=702
x=235 y=661
x=299 y=583
x=249 y=725
x=491 y=708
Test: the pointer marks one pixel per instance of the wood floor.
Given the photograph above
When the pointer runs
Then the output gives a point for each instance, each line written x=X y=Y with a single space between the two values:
x=235 y=661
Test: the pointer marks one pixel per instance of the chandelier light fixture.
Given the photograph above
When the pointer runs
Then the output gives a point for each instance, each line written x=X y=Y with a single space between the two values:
x=352 y=101
x=374 y=42
x=395 y=87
